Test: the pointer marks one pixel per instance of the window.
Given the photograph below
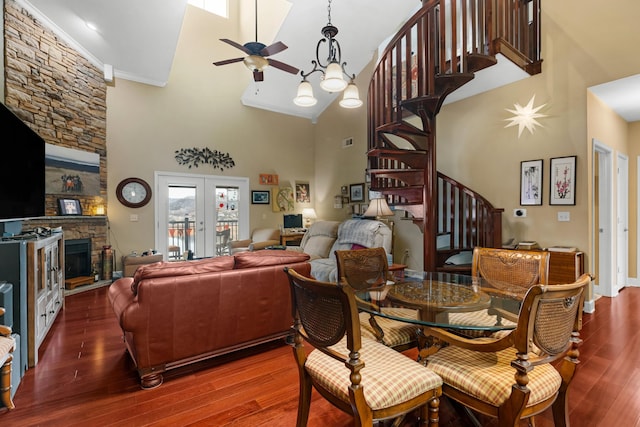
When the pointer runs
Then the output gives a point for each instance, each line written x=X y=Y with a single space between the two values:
x=219 y=7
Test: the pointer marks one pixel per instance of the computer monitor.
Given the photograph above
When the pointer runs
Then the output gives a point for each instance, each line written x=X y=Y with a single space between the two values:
x=293 y=221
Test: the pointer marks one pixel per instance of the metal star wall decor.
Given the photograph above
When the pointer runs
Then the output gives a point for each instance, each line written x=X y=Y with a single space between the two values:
x=525 y=117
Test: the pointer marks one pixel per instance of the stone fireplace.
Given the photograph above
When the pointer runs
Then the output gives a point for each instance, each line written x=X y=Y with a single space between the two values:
x=93 y=229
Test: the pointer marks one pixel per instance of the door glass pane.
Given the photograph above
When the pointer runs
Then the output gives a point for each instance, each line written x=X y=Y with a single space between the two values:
x=226 y=218
x=181 y=221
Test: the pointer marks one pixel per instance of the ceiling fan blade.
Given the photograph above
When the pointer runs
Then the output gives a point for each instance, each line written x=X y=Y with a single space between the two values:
x=237 y=46
x=282 y=66
x=258 y=76
x=273 y=49
x=228 y=61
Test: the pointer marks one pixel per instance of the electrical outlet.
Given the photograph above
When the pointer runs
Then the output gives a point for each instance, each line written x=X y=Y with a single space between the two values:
x=520 y=213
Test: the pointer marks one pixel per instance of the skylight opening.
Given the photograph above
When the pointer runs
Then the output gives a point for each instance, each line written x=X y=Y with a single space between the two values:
x=219 y=7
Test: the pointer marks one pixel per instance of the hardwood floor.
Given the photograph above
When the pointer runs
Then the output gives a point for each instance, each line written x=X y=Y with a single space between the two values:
x=84 y=377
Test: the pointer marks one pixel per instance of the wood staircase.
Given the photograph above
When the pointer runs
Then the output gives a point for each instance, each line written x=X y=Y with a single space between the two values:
x=436 y=52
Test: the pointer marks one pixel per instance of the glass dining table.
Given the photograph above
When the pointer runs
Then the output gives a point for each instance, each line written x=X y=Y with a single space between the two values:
x=460 y=303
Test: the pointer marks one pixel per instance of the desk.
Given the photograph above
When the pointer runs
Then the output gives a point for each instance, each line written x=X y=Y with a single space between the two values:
x=291 y=237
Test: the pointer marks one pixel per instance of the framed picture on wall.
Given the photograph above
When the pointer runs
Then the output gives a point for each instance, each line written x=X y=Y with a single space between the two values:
x=260 y=197
x=563 y=181
x=531 y=182
x=356 y=192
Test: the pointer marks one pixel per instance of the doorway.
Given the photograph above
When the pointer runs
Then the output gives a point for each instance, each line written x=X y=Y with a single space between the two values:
x=604 y=255
x=197 y=215
x=622 y=224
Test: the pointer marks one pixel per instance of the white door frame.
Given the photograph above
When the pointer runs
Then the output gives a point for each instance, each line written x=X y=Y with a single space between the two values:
x=622 y=223
x=206 y=211
x=605 y=279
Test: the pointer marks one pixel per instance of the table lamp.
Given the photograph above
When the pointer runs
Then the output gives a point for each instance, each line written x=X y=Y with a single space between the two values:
x=378 y=208
x=308 y=214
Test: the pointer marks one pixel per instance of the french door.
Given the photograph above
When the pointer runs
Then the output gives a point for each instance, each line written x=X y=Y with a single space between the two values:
x=197 y=215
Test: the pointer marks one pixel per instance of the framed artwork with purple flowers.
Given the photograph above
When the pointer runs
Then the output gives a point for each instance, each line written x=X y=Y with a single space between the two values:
x=563 y=181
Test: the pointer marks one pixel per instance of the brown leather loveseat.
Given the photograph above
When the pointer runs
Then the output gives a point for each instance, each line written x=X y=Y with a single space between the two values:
x=175 y=313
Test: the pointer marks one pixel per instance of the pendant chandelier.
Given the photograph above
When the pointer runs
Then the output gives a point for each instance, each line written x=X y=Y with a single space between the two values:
x=333 y=72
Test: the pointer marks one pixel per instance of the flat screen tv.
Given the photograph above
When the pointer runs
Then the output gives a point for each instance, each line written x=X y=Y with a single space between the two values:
x=21 y=169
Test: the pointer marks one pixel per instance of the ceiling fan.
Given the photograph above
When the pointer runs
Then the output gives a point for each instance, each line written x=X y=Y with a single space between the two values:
x=258 y=52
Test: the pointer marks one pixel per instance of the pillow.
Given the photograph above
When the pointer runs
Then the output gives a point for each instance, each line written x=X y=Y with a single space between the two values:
x=462 y=258
x=180 y=268
x=356 y=246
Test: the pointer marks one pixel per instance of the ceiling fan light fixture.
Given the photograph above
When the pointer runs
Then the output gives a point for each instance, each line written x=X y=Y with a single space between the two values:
x=255 y=62
x=351 y=98
x=305 y=97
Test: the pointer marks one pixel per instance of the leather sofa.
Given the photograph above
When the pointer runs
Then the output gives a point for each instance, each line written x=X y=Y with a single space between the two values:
x=323 y=238
x=176 y=313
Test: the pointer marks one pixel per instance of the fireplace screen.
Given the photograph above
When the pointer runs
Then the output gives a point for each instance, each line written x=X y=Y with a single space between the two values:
x=77 y=258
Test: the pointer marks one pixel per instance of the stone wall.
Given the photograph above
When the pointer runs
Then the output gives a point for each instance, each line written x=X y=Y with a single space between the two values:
x=62 y=96
x=56 y=92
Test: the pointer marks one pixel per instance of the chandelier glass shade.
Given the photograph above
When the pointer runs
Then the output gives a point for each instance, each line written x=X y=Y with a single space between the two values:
x=333 y=72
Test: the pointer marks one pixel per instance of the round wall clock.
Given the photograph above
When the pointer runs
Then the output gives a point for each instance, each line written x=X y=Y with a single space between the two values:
x=133 y=192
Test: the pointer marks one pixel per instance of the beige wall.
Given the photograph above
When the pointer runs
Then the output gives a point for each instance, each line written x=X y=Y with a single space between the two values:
x=199 y=107
x=473 y=145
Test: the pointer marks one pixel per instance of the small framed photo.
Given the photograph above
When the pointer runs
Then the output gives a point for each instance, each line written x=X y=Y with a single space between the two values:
x=69 y=207
x=356 y=192
x=531 y=182
x=260 y=197
x=563 y=181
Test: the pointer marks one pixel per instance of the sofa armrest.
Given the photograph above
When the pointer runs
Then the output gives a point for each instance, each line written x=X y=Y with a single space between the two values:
x=261 y=245
x=240 y=243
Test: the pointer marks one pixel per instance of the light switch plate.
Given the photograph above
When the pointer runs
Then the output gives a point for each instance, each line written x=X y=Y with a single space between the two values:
x=564 y=216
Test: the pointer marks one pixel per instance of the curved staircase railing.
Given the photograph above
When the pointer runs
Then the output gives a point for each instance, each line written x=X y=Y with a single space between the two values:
x=438 y=50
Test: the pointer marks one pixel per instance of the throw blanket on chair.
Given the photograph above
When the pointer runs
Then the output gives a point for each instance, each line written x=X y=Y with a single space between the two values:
x=358 y=231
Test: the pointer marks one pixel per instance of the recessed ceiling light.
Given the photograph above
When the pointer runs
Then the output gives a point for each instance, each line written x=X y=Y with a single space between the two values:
x=92 y=26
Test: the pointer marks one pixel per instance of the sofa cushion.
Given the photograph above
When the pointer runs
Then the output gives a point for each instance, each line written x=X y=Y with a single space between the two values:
x=181 y=268
x=318 y=240
x=267 y=257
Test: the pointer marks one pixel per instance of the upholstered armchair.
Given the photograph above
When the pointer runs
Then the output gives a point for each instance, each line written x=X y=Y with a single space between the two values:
x=260 y=239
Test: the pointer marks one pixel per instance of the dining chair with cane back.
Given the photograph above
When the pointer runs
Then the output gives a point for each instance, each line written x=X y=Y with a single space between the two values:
x=515 y=271
x=368 y=269
x=7 y=346
x=523 y=373
x=360 y=376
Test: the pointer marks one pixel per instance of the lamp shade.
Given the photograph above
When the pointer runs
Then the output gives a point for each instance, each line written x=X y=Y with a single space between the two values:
x=333 y=80
x=351 y=98
x=305 y=97
x=378 y=207
x=255 y=62
x=308 y=214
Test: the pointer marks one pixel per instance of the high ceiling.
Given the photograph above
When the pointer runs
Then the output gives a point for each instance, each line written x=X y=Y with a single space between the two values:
x=138 y=38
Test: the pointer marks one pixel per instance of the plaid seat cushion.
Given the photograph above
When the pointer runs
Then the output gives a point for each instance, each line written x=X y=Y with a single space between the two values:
x=6 y=345
x=475 y=318
x=388 y=377
x=489 y=376
x=395 y=332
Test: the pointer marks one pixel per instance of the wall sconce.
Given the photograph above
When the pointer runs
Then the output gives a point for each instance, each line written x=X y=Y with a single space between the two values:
x=100 y=210
x=332 y=73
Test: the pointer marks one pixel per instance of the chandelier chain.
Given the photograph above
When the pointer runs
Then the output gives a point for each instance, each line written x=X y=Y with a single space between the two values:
x=329 y=12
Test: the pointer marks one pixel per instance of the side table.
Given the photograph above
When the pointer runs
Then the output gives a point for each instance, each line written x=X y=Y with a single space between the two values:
x=294 y=238
x=397 y=270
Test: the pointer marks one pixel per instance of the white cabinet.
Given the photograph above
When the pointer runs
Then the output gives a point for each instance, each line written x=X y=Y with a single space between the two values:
x=45 y=288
